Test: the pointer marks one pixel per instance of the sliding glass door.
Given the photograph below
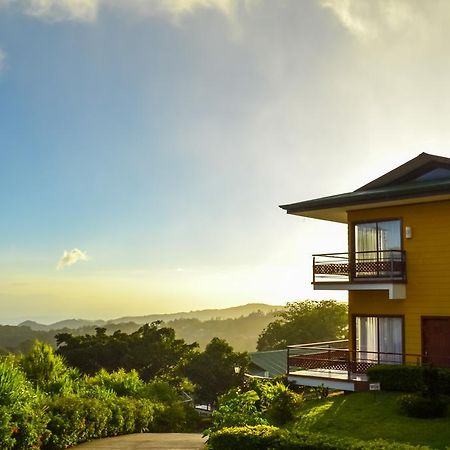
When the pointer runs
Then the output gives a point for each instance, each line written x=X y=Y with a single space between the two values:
x=379 y=339
x=377 y=245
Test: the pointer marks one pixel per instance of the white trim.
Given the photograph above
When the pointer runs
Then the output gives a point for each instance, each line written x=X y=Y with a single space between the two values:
x=396 y=290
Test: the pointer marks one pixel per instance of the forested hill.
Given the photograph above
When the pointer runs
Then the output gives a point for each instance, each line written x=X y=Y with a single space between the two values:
x=203 y=315
x=241 y=332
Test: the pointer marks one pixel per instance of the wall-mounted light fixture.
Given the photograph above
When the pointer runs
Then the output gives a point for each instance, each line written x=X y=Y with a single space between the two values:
x=408 y=233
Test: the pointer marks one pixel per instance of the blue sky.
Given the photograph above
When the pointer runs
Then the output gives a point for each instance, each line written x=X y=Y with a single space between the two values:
x=159 y=136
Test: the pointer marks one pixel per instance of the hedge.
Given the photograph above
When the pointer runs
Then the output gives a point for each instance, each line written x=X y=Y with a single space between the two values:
x=263 y=437
x=399 y=378
x=404 y=378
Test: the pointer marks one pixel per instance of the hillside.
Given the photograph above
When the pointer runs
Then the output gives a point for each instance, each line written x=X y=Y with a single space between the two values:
x=240 y=326
x=204 y=314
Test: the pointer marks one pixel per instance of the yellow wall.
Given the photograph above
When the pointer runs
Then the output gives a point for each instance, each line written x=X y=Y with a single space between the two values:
x=428 y=269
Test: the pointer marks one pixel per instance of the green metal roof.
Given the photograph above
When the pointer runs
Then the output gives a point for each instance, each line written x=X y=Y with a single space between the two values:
x=423 y=178
x=274 y=361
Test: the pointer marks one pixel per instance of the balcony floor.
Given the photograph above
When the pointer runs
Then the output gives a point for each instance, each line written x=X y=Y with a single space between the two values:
x=332 y=379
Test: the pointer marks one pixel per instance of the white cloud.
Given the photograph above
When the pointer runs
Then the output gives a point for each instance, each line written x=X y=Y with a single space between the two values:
x=369 y=19
x=88 y=10
x=71 y=257
x=60 y=10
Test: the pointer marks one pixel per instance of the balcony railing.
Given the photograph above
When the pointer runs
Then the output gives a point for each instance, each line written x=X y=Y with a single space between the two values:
x=334 y=356
x=382 y=265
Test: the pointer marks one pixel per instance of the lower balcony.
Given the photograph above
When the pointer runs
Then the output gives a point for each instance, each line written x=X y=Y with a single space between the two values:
x=369 y=270
x=333 y=365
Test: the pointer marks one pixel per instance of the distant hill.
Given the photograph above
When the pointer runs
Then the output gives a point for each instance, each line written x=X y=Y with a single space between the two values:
x=71 y=324
x=204 y=314
x=240 y=326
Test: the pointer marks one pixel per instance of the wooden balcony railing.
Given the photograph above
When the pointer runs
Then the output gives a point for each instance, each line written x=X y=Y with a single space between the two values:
x=335 y=356
x=386 y=265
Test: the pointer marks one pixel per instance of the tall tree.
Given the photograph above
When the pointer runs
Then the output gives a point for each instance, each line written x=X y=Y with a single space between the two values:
x=216 y=370
x=303 y=322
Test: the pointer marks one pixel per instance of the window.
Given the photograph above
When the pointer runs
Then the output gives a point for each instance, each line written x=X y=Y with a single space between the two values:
x=377 y=246
x=379 y=339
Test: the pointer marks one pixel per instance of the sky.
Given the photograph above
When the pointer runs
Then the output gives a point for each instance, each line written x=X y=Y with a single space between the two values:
x=146 y=144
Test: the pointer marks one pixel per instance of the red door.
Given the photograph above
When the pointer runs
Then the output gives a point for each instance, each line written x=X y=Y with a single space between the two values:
x=436 y=341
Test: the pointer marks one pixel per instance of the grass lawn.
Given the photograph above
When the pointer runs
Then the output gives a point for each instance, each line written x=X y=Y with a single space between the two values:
x=369 y=415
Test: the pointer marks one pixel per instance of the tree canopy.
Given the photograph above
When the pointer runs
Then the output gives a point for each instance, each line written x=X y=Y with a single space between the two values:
x=303 y=322
x=152 y=350
x=214 y=371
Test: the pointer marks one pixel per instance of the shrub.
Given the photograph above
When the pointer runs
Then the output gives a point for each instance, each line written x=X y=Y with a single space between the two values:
x=279 y=404
x=272 y=438
x=244 y=438
x=22 y=418
x=74 y=419
x=237 y=408
x=415 y=405
x=121 y=382
x=396 y=377
x=317 y=441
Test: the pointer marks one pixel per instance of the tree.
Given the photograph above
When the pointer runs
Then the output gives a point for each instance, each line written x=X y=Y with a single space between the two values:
x=303 y=322
x=214 y=371
x=152 y=350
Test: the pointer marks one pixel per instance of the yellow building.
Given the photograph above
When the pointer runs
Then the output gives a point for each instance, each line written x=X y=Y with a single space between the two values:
x=396 y=271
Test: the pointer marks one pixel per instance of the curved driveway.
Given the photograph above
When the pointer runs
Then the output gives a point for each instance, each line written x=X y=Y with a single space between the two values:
x=144 y=441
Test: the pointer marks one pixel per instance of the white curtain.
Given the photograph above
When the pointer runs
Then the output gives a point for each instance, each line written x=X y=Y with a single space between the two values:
x=376 y=336
x=390 y=339
x=367 y=338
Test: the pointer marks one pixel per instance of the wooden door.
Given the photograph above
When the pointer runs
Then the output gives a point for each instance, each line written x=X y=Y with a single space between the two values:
x=436 y=341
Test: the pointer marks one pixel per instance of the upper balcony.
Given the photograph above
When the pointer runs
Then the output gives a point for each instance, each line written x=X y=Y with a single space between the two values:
x=369 y=270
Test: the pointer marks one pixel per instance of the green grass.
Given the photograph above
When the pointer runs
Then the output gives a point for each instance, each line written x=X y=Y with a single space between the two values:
x=368 y=416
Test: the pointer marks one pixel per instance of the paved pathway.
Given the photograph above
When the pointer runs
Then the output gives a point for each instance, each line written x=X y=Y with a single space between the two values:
x=144 y=441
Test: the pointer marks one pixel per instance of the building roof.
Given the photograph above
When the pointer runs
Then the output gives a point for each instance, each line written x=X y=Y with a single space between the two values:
x=422 y=179
x=273 y=361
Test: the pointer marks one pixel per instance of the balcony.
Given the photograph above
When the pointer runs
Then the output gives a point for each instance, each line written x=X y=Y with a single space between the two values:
x=372 y=270
x=333 y=365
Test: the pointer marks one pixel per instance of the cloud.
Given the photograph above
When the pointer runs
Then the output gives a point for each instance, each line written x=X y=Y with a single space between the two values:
x=61 y=10
x=369 y=19
x=71 y=257
x=88 y=10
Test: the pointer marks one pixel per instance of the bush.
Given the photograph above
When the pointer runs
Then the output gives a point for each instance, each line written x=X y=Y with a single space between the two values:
x=244 y=438
x=316 y=441
x=22 y=419
x=74 y=419
x=415 y=405
x=279 y=404
x=400 y=378
x=272 y=438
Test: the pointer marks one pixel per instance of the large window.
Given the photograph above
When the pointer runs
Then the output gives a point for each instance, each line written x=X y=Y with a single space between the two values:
x=377 y=245
x=379 y=339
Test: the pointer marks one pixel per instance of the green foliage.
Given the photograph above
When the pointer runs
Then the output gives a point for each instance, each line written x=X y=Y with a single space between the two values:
x=258 y=437
x=319 y=441
x=213 y=371
x=238 y=408
x=76 y=419
x=120 y=382
x=271 y=438
x=264 y=403
x=22 y=418
x=47 y=371
x=400 y=378
x=152 y=351
x=305 y=321
x=416 y=405
x=279 y=404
